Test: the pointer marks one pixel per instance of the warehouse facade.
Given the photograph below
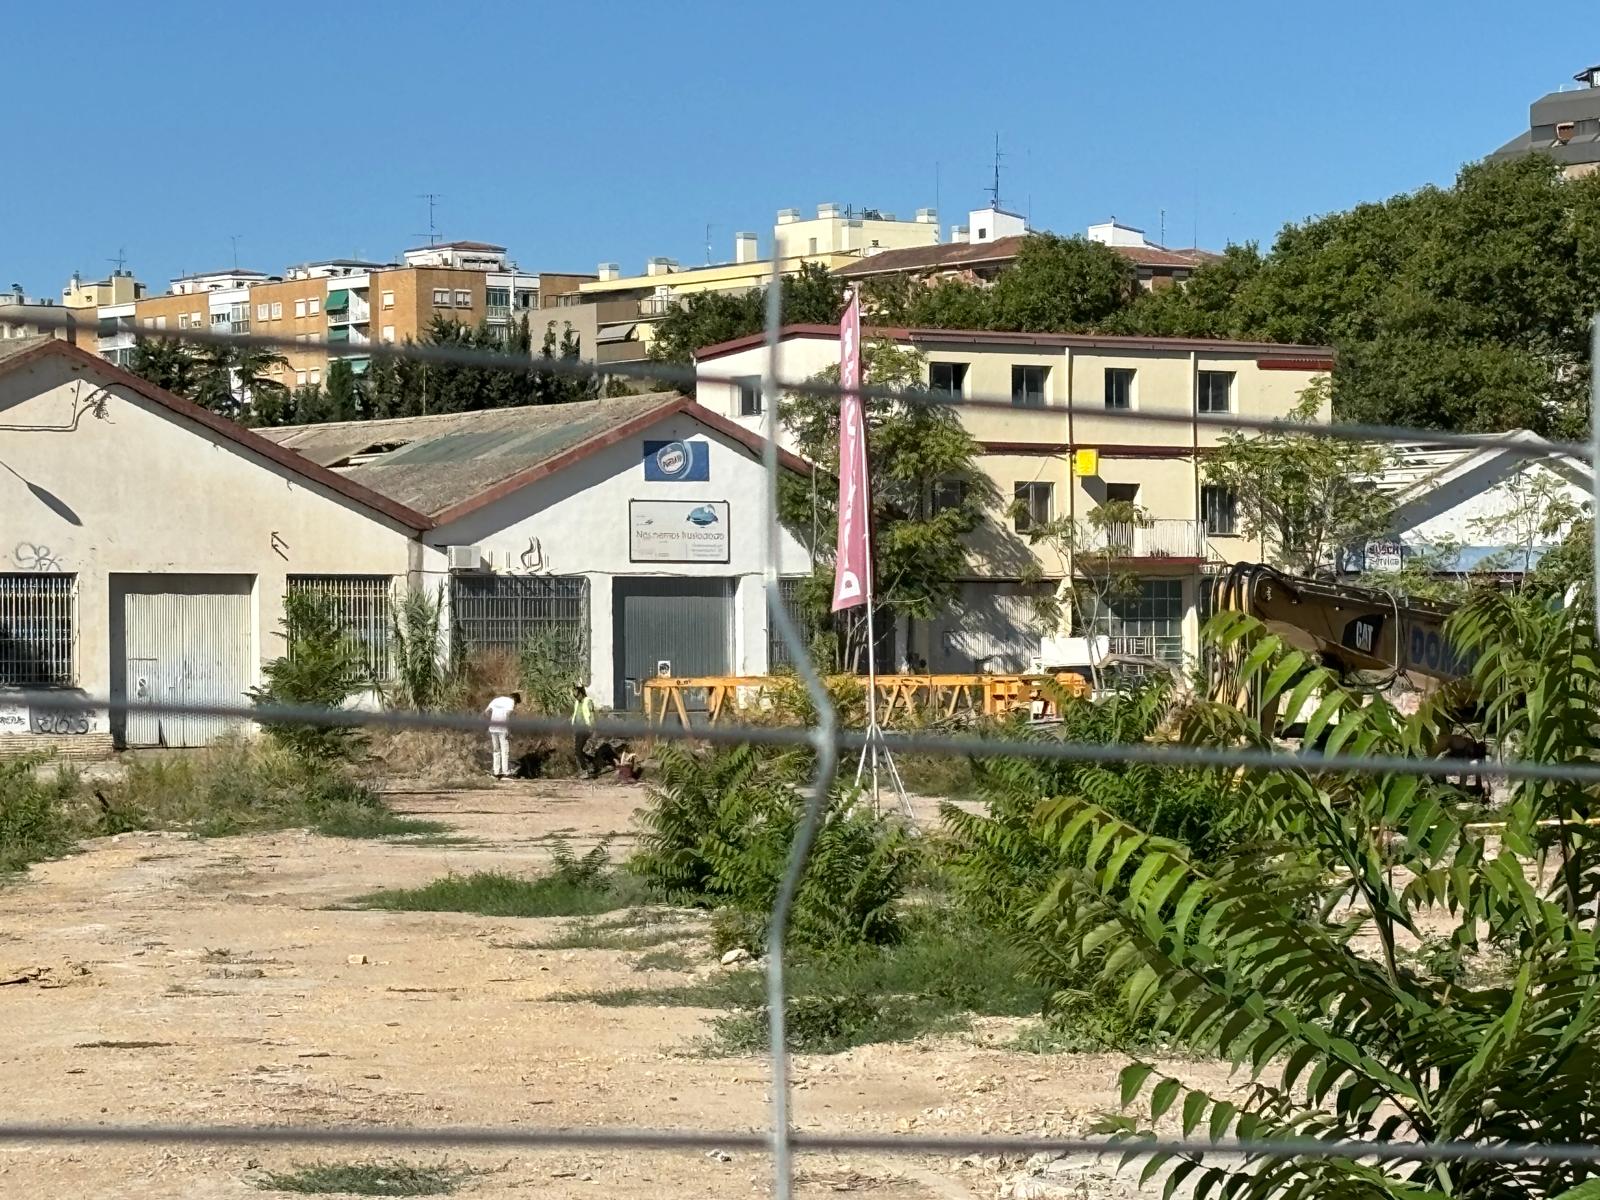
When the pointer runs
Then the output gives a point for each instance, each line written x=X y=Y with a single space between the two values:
x=148 y=546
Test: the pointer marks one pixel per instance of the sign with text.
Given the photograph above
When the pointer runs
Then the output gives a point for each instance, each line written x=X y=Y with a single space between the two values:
x=14 y=718
x=1384 y=556
x=685 y=531
x=677 y=462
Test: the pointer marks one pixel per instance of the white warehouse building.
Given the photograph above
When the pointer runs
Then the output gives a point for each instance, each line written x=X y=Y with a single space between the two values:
x=149 y=543
x=633 y=526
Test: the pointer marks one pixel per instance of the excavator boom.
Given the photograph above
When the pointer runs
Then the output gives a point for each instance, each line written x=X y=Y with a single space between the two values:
x=1353 y=628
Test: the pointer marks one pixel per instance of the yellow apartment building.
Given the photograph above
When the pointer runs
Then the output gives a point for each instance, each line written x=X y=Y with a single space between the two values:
x=625 y=307
x=120 y=287
x=1032 y=401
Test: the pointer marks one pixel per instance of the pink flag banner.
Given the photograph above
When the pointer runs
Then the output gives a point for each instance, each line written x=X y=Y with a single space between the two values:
x=852 y=566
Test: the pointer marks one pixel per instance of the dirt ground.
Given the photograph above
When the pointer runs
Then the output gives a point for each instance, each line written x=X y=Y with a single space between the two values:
x=190 y=981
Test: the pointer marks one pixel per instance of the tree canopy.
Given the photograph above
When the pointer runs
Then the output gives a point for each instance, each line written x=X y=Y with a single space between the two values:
x=913 y=447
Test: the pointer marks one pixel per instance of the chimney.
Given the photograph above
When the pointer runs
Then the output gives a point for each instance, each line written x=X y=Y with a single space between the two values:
x=788 y=216
x=825 y=211
x=660 y=266
x=744 y=248
x=927 y=216
x=958 y=233
x=610 y=271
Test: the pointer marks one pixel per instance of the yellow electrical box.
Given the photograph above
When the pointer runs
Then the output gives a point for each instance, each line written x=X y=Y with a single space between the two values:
x=1086 y=463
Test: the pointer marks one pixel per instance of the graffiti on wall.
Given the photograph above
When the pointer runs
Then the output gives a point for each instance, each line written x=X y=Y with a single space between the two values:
x=28 y=556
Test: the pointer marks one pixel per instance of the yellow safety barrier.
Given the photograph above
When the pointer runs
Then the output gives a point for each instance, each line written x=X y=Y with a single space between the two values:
x=951 y=697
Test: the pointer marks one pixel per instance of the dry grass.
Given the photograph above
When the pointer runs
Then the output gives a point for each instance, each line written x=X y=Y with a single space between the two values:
x=442 y=758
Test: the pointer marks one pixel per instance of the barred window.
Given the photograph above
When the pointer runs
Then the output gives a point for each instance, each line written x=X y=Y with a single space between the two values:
x=778 y=653
x=502 y=612
x=36 y=630
x=363 y=604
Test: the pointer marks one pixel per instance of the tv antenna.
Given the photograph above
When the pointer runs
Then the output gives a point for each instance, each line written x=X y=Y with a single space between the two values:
x=994 y=188
x=120 y=260
x=433 y=230
x=234 y=238
x=709 y=227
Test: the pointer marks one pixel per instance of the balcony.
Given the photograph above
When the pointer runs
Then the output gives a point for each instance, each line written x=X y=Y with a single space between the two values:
x=657 y=306
x=498 y=312
x=1162 y=538
x=347 y=308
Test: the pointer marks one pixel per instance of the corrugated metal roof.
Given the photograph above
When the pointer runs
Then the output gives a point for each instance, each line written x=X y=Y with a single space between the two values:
x=437 y=462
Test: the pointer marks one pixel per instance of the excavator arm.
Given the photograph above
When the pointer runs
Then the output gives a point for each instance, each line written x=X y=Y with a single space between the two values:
x=1350 y=628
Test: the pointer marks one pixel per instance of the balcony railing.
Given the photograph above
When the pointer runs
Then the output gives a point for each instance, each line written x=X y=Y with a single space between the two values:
x=1162 y=538
x=656 y=306
x=355 y=313
x=498 y=312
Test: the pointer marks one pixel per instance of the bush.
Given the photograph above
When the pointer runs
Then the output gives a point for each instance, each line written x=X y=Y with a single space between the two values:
x=36 y=813
x=718 y=829
x=323 y=668
x=416 y=651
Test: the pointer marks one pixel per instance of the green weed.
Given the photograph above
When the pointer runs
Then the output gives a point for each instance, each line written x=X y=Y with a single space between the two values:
x=940 y=975
x=575 y=887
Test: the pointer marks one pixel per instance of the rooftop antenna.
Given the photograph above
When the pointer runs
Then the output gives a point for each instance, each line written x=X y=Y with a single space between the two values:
x=433 y=230
x=994 y=188
x=708 y=243
x=120 y=260
x=1163 y=227
x=936 y=186
x=234 y=238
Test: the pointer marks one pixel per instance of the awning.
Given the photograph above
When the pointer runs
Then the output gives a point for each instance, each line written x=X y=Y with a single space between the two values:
x=617 y=333
x=339 y=333
x=358 y=366
x=338 y=300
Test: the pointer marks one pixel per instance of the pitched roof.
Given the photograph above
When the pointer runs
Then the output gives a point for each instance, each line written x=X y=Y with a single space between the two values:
x=451 y=464
x=1422 y=469
x=43 y=349
x=952 y=256
x=1281 y=355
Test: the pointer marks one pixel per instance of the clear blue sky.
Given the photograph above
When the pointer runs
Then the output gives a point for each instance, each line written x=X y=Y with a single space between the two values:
x=581 y=132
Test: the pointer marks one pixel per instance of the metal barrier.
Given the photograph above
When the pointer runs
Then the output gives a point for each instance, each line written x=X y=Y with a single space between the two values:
x=944 y=697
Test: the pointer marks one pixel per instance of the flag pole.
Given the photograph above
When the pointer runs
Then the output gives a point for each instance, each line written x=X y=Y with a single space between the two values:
x=855 y=580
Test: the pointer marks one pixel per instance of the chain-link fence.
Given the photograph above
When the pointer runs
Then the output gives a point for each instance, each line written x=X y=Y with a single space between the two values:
x=501 y=619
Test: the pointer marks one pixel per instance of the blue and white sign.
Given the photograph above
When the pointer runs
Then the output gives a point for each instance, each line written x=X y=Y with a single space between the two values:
x=682 y=531
x=677 y=462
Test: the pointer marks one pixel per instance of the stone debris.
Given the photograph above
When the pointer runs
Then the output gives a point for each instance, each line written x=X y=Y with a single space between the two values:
x=737 y=955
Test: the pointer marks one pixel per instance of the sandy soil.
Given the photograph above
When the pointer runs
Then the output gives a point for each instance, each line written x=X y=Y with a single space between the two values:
x=230 y=989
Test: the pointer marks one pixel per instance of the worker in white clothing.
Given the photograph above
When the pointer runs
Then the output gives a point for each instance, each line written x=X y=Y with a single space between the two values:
x=499 y=712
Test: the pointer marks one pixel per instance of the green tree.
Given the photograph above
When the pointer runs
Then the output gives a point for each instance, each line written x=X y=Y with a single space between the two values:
x=322 y=668
x=167 y=364
x=913 y=445
x=340 y=385
x=1306 y=497
x=1098 y=548
x=1061 y=285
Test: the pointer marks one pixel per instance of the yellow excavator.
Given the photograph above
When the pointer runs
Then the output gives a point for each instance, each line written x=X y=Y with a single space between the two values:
x=1352 y=629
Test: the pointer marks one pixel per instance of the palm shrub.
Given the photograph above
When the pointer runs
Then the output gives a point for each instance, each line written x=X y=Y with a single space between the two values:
x=718 y=830
x=419 y=675
x=323 y=668
x=1002 y=861
x=1284 y=951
